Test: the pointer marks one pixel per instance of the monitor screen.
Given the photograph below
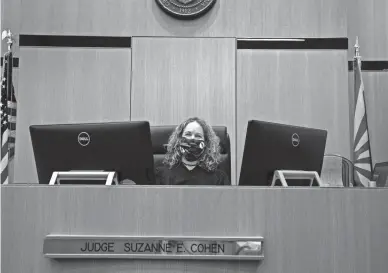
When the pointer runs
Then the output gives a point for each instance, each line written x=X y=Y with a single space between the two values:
x=123 y=147
x=271 y=146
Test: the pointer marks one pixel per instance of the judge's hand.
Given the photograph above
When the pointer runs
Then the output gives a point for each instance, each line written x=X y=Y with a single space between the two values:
x=127 y=182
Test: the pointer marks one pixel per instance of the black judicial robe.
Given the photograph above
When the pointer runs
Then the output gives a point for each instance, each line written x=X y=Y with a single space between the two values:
x=180 y=175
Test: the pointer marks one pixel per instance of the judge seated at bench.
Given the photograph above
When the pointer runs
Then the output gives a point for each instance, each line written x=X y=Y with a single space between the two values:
x=193 y=156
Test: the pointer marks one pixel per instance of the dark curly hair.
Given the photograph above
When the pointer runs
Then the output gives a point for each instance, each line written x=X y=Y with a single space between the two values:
x=211 y=157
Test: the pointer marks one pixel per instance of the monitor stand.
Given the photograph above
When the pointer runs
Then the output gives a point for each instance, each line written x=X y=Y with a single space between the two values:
x=76 y=177
x=283 y=175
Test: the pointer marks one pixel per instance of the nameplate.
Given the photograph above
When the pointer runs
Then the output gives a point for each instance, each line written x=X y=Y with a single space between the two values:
x=146 y=247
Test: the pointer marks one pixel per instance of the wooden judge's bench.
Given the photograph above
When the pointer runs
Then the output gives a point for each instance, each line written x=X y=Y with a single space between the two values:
x=300 y=230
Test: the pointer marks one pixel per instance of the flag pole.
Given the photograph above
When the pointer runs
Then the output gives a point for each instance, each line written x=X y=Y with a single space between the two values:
x=356 y=57
x=7 y=34
x=357 y=69
x=8 y=111
x=357 y=49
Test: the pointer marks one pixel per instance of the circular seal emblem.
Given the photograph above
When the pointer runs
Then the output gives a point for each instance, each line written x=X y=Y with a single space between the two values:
x=83 y=139
x=295 y=140
x=186 y=9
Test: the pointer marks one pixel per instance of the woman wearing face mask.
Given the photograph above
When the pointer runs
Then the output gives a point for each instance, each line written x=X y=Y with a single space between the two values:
x=193 y=155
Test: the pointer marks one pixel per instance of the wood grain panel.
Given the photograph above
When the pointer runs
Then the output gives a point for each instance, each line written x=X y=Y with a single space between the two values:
x=305 y=88
x=175 y=78
x=369 y=21
x=305 y=230
x=65 y=86
x=376 y=97
x=229 y=18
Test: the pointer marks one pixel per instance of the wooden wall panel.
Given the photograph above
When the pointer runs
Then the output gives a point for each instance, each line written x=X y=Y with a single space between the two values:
x=304 y=230
x=229 y=18
x=306 y=88
x=369 y=21
x=175 y=78
x=376 y=97
x=68 y=85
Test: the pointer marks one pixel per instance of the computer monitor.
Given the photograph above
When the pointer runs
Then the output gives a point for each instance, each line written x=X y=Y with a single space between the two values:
x=381 y=173
x=123 y=147
x=271 y=146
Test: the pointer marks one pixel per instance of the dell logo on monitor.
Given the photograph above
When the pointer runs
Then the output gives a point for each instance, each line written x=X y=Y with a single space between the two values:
x=83 y=139
x=295 y=140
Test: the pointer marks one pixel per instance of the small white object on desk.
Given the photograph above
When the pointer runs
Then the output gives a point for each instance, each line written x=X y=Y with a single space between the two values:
x=372 y=184
x=127 y=182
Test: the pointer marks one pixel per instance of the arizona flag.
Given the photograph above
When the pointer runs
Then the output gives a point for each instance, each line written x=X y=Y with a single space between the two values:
x=362 y=151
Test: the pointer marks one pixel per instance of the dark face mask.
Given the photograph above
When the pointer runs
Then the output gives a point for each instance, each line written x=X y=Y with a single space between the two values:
x=192 y=149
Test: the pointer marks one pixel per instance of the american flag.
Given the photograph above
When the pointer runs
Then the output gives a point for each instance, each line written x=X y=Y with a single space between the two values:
x=362 y=151
x=8 y=118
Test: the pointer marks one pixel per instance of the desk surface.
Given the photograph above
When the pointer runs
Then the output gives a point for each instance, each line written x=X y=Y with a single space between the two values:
x=304 y=229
